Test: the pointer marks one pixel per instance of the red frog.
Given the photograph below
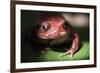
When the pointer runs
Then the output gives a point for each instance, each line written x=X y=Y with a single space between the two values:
x=56 y=27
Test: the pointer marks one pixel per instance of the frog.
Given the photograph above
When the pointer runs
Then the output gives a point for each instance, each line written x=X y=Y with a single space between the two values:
x=55 y=27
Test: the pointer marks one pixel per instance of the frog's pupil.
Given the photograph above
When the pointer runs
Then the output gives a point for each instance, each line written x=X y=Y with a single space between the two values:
x=44 y=27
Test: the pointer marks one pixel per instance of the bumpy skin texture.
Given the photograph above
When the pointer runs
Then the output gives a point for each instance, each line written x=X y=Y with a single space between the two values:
x=55 y=27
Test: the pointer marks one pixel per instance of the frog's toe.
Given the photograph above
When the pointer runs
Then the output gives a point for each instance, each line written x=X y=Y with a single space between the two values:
x=67 y=53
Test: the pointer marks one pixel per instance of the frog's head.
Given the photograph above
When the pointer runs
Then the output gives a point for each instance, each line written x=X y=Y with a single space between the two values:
x=52 y=28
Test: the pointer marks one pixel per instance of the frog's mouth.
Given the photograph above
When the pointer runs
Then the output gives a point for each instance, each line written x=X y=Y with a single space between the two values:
x=52 y=41
x=51 y=35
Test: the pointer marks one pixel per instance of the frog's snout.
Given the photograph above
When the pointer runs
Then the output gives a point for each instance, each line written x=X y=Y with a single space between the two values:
x=49 y=35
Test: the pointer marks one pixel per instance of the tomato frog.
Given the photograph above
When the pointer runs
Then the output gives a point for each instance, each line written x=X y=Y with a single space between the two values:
x=55 y=27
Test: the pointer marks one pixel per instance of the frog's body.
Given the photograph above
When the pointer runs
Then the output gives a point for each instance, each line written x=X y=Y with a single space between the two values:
x=56 y=27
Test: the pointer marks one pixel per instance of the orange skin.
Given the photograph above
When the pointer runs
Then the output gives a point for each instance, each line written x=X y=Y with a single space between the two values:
x=52 y=28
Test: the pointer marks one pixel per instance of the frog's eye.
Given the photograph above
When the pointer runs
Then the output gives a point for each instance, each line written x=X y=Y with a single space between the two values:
x=45 y=26
x=66 y=25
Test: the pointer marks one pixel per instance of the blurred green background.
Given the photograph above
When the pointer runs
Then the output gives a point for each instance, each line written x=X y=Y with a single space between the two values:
x=31 y=54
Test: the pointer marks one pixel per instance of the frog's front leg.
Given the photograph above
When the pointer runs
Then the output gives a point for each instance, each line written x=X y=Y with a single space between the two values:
x=74 y=47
